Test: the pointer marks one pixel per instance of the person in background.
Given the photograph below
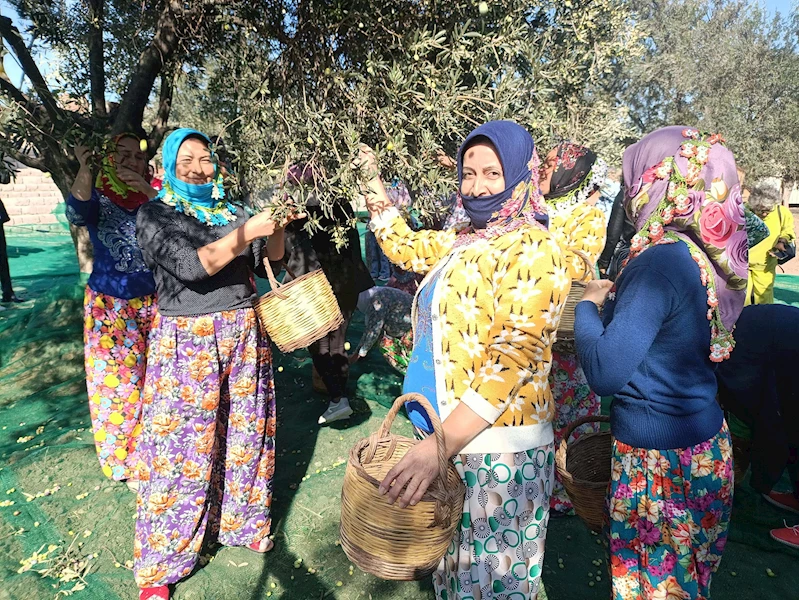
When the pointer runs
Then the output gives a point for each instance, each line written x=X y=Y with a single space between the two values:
x=348 y=276
x=209 y=419
x=766 y=202
x=400 y=197
x=609 y=191
x=5 y=271
x=379 y=265
x=617 y=245
x=666 y=324
x=759 y=385
x=485 y=317
x=572 y=177
x=120 y=303
x=387 y=321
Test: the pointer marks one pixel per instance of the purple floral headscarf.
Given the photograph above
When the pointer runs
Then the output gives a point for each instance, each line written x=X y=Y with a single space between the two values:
x=682 y=185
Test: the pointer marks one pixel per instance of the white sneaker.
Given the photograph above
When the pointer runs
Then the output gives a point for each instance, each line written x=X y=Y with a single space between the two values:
x=336 y=411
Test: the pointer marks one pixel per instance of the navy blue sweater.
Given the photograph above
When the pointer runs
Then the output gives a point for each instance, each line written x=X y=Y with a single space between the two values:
x=652 y=352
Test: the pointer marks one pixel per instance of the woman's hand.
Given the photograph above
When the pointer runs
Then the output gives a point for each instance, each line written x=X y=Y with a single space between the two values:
x=293 y=216
x=263 y=225
x=83 y=154
x=778 y=247
x=136 y=181
x=366 y=162
x=597 y=291
x=415 y=472
x=374 y=193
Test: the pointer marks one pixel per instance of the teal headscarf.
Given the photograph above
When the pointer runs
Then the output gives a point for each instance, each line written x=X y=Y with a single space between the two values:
x=206 y=195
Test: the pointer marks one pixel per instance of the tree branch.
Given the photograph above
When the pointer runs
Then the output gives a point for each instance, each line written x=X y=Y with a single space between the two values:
x=96 y=57
x=14 y=39
x=168 y=77
x=17 y=96
x=151 y=62
x=25 y=159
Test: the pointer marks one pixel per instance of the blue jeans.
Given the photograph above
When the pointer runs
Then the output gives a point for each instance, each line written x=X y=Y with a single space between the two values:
x=379 y=265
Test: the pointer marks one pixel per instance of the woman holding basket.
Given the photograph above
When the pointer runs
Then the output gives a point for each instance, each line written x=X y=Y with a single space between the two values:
x=209 y=396
x=485 y=316
x=667 y=320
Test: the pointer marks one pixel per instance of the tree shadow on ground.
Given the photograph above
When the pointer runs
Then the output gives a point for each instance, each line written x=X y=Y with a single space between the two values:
x=15 y=250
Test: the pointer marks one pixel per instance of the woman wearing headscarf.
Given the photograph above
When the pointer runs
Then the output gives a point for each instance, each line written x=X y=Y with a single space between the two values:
x=484 y=319
x=572 y=176
x=766 y=203
x=209 y=397
x=667 y=320
x=119 y=303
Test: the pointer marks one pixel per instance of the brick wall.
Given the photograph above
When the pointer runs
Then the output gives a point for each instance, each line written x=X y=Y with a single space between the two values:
x=31 y=198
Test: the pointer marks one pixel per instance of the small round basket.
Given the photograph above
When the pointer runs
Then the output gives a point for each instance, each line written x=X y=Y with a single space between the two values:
x=566 y=326
x=584 y=468
x=298 y=313
x=385 y=540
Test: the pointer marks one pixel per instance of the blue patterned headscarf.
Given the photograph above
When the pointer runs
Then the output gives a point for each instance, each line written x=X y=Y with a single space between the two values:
x=521 y=198
x=206 y=195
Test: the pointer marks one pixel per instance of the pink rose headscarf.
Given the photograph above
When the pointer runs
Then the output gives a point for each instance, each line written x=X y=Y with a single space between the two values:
x=682 y=185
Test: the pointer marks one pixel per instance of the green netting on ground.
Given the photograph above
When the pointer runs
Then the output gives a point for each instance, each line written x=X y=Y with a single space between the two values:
x=51 y=475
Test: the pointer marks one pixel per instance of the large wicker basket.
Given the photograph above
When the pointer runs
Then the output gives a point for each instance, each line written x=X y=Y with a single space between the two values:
x=386 y=540
x=298 y=313
x=584 y=468
x=566 y=326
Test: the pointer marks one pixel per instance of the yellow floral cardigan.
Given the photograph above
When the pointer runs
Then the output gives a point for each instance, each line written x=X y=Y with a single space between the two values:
x=496 y=308
x=580 y=227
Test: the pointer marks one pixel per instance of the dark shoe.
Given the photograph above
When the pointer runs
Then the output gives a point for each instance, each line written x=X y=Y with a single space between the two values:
x=12 y=298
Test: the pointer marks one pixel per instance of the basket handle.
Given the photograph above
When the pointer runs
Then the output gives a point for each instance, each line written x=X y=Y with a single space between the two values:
x=443 y=512
x=589 y=266
x=582 y=421
x=578 y=423
x=385 y=427
x=273 y=283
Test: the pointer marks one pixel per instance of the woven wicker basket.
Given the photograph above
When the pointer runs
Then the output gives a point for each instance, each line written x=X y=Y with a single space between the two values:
x=383 y=539
x=584 y=467
x=566 y=326
x=298 y=313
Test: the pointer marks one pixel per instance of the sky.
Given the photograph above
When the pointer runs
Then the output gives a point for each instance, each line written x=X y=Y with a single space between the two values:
x=14 y=73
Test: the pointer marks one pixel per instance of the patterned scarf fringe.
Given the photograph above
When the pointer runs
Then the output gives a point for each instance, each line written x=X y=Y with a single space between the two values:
x=594 y=180
x=221 y=214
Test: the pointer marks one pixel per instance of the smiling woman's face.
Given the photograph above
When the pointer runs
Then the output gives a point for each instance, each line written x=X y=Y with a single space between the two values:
x=194 y=163
x=130 y=156
x=482 y=171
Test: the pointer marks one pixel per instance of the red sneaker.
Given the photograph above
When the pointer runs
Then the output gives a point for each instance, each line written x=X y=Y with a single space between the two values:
x=787 y=535
x=783 y=500
x=262 y=547
x=154 y=593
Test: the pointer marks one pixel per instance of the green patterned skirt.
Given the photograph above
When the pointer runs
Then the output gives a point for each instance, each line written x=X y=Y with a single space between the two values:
x=498 y=550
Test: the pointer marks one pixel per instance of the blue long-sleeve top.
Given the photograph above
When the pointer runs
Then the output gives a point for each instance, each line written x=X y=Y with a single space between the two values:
x=651 y=352
x=119 y=268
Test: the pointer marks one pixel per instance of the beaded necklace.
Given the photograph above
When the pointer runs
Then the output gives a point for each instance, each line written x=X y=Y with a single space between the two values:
x=220 y=214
